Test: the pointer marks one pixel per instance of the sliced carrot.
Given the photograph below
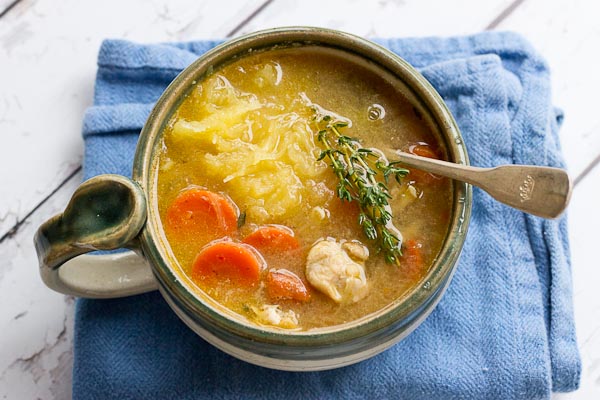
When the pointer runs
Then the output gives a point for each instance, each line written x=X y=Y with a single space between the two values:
x=412 y=257
x=272 y=239
x=282 y=284
x=201 y=215
x=424 y=150
x=227 y=261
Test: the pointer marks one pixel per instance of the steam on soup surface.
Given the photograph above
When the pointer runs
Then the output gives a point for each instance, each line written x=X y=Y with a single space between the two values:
x=253 y=216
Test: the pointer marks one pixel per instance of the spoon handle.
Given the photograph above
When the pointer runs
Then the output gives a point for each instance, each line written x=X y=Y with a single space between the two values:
x=541 y=191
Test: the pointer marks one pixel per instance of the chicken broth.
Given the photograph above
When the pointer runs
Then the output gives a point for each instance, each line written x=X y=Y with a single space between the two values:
x=253 y=216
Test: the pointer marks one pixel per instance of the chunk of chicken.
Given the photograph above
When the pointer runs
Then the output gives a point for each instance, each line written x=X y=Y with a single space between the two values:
x=331 y=270
x=272 y=314
x=356 y=250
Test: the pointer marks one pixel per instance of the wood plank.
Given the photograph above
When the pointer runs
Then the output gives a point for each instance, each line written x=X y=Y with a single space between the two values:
x=48 y=52
x=37 y=323
x=584 y=221
x=383 y=18
x=567 y=35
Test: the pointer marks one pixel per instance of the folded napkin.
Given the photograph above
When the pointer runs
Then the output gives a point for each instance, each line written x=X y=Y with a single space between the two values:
x=504 y=328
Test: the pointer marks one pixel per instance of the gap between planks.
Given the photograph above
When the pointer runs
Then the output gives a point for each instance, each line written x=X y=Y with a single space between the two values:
x=15 y=228
x=504 y=14
x=248 y=18
x=591 y=166
x=6 y=6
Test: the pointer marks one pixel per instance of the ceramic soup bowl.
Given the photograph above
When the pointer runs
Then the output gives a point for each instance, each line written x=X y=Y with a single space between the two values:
x=110 y=212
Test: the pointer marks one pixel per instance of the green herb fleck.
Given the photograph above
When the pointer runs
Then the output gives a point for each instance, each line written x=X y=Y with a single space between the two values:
x=358 y=169
x=241 y=221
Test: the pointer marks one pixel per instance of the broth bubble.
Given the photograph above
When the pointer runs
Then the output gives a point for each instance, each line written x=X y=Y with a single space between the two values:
x=376 y=112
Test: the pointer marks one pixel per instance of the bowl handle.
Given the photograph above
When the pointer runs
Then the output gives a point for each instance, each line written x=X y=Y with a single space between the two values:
x=106 y=212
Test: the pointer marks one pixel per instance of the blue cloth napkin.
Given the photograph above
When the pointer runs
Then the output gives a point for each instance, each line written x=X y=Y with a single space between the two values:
x=503 y=330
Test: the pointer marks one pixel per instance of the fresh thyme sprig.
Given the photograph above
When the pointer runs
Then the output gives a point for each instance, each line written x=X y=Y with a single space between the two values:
x=357 y=169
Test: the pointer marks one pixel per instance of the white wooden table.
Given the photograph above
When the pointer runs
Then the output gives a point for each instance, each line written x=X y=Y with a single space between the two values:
x=48 y=51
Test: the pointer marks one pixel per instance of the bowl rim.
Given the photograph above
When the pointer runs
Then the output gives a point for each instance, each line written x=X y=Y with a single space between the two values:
x=154 y=244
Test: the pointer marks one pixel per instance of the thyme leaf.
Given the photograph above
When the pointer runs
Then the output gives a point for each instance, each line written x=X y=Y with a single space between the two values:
x=363 y=176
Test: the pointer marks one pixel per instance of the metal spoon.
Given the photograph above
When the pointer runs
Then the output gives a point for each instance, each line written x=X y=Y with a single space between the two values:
x=541 y=191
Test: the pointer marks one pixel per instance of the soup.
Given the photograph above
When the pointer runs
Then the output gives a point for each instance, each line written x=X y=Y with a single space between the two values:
x=278 y=193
